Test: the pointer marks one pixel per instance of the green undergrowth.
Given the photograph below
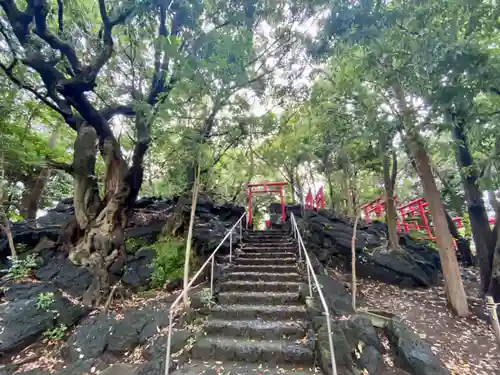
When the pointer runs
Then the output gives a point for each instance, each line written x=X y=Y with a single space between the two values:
x=169 y=260
x=132 y=244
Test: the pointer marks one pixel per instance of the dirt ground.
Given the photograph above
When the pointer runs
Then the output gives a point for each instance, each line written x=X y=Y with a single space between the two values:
x=466 y=346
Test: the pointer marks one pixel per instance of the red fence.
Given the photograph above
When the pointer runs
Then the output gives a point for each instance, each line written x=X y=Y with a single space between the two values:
x=409 y=213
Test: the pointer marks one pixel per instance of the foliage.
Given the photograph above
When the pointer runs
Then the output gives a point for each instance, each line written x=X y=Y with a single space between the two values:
x=21 y=268
x=132 y=244
x=169 y=261
x=56 y=333
x=45 y=300
x=206 y=297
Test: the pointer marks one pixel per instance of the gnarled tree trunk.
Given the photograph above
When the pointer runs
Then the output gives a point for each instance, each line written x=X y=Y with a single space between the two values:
x=102 y=222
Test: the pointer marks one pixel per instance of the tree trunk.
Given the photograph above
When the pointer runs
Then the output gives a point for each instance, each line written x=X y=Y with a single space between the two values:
x=481 y=232
x=390 y=205
x=102 y=222
x=494 y=286
x=34 y=187
x=32 y=193
x=462 y=243
x=194 y=200
x=292 y=187
x=330 y=191
x=453 y=282
x=451 y=271
x=347 y=193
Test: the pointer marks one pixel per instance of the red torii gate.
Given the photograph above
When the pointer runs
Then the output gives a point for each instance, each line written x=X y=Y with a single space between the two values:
x=266 y=187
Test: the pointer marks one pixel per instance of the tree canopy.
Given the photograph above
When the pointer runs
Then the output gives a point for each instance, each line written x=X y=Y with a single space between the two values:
x=116 y=99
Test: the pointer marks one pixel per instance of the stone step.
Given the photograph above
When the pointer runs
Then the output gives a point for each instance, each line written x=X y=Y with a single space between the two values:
x=269 y=241
x=270 y=248
x=249 y=312
x=265 y=260
x=269 y=352
x=272 y=268
x=260 y=286
x=214 y=366
x=262 y=276
x=271 y=237
x=258 y=329
x=282 y=254
x=259 y=298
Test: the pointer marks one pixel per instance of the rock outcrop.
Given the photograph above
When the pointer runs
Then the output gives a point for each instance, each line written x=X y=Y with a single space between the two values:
x=357 y=341
x=24 y=319
x=329 y=237
x=94 y=342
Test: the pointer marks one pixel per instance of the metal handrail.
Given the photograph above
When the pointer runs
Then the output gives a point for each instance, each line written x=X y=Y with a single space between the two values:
x=310 y=271
x=211 y=259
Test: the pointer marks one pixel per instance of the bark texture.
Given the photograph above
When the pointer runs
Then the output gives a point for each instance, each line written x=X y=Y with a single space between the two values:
x=453 y=282
x=390 y=205
x=481 y=232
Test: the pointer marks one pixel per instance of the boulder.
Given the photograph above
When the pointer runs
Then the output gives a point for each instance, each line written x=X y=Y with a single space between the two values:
x=67 y=276
x=329 y=236
x=148 y=233
x=402 y=263
x=412 y=353
x=139 y=270
x=338 y=299
x=88 y=340
x=356 y=345
x=23 y=322
x=115 y=334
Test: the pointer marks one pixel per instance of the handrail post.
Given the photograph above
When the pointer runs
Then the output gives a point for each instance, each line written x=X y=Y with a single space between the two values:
x=312 y=275
x=187 y=287
x=241 y=231
x=212 y=278
x=169 y=342
x=330 y=342
x=309 y=280
x=231 y=246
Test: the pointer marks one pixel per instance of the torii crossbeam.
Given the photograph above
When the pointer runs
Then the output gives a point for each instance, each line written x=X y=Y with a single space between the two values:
x=266 y=187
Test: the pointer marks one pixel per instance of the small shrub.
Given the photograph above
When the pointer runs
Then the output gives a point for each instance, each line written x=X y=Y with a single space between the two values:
x=21 y=268
x=169 y=261
x=132 y=244
x=206 y=297
x=56 y=333
x=45 y=300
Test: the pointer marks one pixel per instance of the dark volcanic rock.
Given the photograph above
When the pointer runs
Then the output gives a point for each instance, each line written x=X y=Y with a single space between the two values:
x=57 y=268
x=138 y=272
x=330 y=238
x=23 y=322
x=412 y=352
x=338 y=299
x=115 y=334
x=88 y=340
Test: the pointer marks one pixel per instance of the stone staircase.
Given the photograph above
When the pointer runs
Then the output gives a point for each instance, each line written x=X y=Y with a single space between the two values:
x=258 y=325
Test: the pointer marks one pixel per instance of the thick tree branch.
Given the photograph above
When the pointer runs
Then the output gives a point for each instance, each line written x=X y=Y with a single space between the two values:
x=9 y=73
x=65 y=167
x=41 y=10
x=109 y=112
x=60 y=16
